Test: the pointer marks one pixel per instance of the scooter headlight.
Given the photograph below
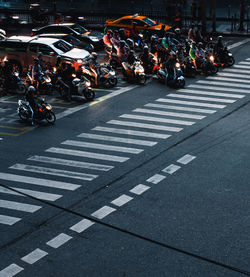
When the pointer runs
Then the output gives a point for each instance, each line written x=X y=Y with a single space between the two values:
x=230 y=54
x=211 y=58
x=73 y=75
x=16 y=74
x=48 y=107
x=48 y=80
x=88 y=83
x=19 y=102
x=112 y=73
x=177 y=65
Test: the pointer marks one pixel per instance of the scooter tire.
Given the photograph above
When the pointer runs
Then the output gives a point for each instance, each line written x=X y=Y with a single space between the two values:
x=230 y=61
x=112 y=82
x=50 y=117
x=89 y=94
x=23 y=115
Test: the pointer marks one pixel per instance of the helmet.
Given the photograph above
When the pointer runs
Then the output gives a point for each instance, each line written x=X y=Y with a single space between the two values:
x=36 y=60
x=31 y=89
x=200 y=44
x=159 y=40
x=177 y=30
x=94 y=55
x=122 y=43
x=219 y=37
x=145 y=48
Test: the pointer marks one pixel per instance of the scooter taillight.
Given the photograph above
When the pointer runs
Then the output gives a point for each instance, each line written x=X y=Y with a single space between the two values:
x=40 y=109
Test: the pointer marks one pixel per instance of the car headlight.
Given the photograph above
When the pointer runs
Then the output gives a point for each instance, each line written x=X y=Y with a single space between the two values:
x=211 y=58
x=94 y=39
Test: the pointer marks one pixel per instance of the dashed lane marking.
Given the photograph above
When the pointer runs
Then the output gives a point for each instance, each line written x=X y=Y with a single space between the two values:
x=103 y=212
x=139 y=189
x=155 y=179
x=186 y=159
x=59 y=240
x=121 y=200
x=11 y=270
x=171 y=169
x=81 y=225
x=34 y=256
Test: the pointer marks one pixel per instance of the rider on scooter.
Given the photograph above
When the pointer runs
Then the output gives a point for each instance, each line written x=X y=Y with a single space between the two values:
x=147 y=60
x=200 y=55
x=122 y=51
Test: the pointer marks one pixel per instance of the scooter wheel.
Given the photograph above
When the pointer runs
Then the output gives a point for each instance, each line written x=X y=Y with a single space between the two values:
x=89 y=94
x=50 y=117
x=112 y=82
x=230 y=61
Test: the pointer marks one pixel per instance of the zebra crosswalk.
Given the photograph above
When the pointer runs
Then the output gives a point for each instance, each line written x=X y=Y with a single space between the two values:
x=78 y=161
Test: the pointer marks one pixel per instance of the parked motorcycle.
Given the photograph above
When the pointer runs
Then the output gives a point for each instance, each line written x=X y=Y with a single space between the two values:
x=134 y=73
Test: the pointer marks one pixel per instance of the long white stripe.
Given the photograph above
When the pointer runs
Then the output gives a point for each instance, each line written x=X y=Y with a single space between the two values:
x=238 y=44
x=34 y=256
x=157 y=119
x=201 y=98
x=186 y=159
x=241 y=66
x=8 y=220
x=118 y=139
x=223 y=88
x=247 y=63
x=59 y=240
x=82 y=225
x=211 y=93
x=103 y=212
x=8 y=191
x=38 y=181
x=227 y=85
x=87 y=154
x=19 y=206
x=237 y=75
x=146 y=126
x=185 y=115
x=102 y=146
x=131 y=132
x=11 y=270
x=237 y=70
x=215 y=78
x=72 y=163
x=54 y=172
x=200 y=104
x=121 y=200
x=139 y=189
x=155 y=179
x=179 y=108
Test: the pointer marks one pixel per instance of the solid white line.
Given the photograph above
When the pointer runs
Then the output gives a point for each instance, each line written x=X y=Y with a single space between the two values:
x=139 y=189
x=72 y=163
x=223 y=88
x=191 y=103
x=38 y=181
x=236 y=75
x=179 y=108
x=54 y=172
x=227 y=86
x=39 y=194
x=131 y=132
x=34 y=256
x=81 y=225
x=121 y=200
x=11 y=270
x=59 y=240
x=155 y=179
x=237 y=70
x=201 y=98
x=102 y=146
x=184 y=115
x=235 y=80
x=8 y=191
x=186 y=159
x=146 y=126
x=8 y=220
x=118 y=139
x=247 y=63
x=157 y=119
x=87 y=154
x=218 y=94
x=103 y=212
x=171 y=169
x=241 y=66
x=238 y=44
x=92 y=103
x=19 y=206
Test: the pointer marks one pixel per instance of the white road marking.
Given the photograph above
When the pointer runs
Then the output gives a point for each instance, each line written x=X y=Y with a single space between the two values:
x=54 y=172
x=201 y=98
x=228 y=86
x=11 y=270
x=247 y=63
x=71 y=163
x=186 y=159
x=1 y=138
x=91 y=155
x=139 y=189
x=102 y=146
x=59 y=240
x=34 y=256
x=215 y=88
x=131 y=132
x=200 y=104
x=235 y=80
x=236 y=75
x=118 y=139
x=237 y=70
x=8 y=191
x=38 y=181
x=218 y=94
x=157 y=119
x=179 y=108
x=171 y=169
x=146 y=126
x=241 y=66
x=8 y=220
x=98 y=100
x=81 y=225
x=19 y=206
x=155 y=179
x=103 y=212
x=121 y=200
x=184 y=115
x=238 y=43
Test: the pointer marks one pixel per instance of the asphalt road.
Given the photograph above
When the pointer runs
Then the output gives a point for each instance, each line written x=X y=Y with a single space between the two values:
x=145 y=181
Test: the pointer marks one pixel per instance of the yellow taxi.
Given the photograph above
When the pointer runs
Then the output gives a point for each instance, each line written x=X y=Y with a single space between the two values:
x=143 y=24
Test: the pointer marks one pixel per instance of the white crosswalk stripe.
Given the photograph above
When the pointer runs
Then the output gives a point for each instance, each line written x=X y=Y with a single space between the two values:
x=117 y=139
x=102 y=146
x=227 y=85
x=131 y=132
x=234 y=80
x=237 y=75
x=237 y=70
x=210 y=93
x=222 y=88
x=241 y=66
x=184 y=115
x=8 y=220
x=201 y=98
x=11 y=270
x=19 y=206
x=146 y=126
x=180 y=108
x=157 y=119
x=90 y=155
x=199 y=104
x=247 y=63
x=54 y=172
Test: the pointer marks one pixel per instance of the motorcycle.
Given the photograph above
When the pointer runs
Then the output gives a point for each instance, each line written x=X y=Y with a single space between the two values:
x=188 y=68
x=134 y=73
x=43 y=111
x=45 y=84
x=176 y=80
x=209 y=67
x=226 y=58
x=17 y=84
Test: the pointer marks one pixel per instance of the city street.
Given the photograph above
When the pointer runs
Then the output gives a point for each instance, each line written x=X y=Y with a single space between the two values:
x=143 y=181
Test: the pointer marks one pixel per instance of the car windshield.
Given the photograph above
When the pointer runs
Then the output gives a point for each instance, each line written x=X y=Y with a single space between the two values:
x=78 y=28
x=149 y=21
x=61 y=45
x=72 y=40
